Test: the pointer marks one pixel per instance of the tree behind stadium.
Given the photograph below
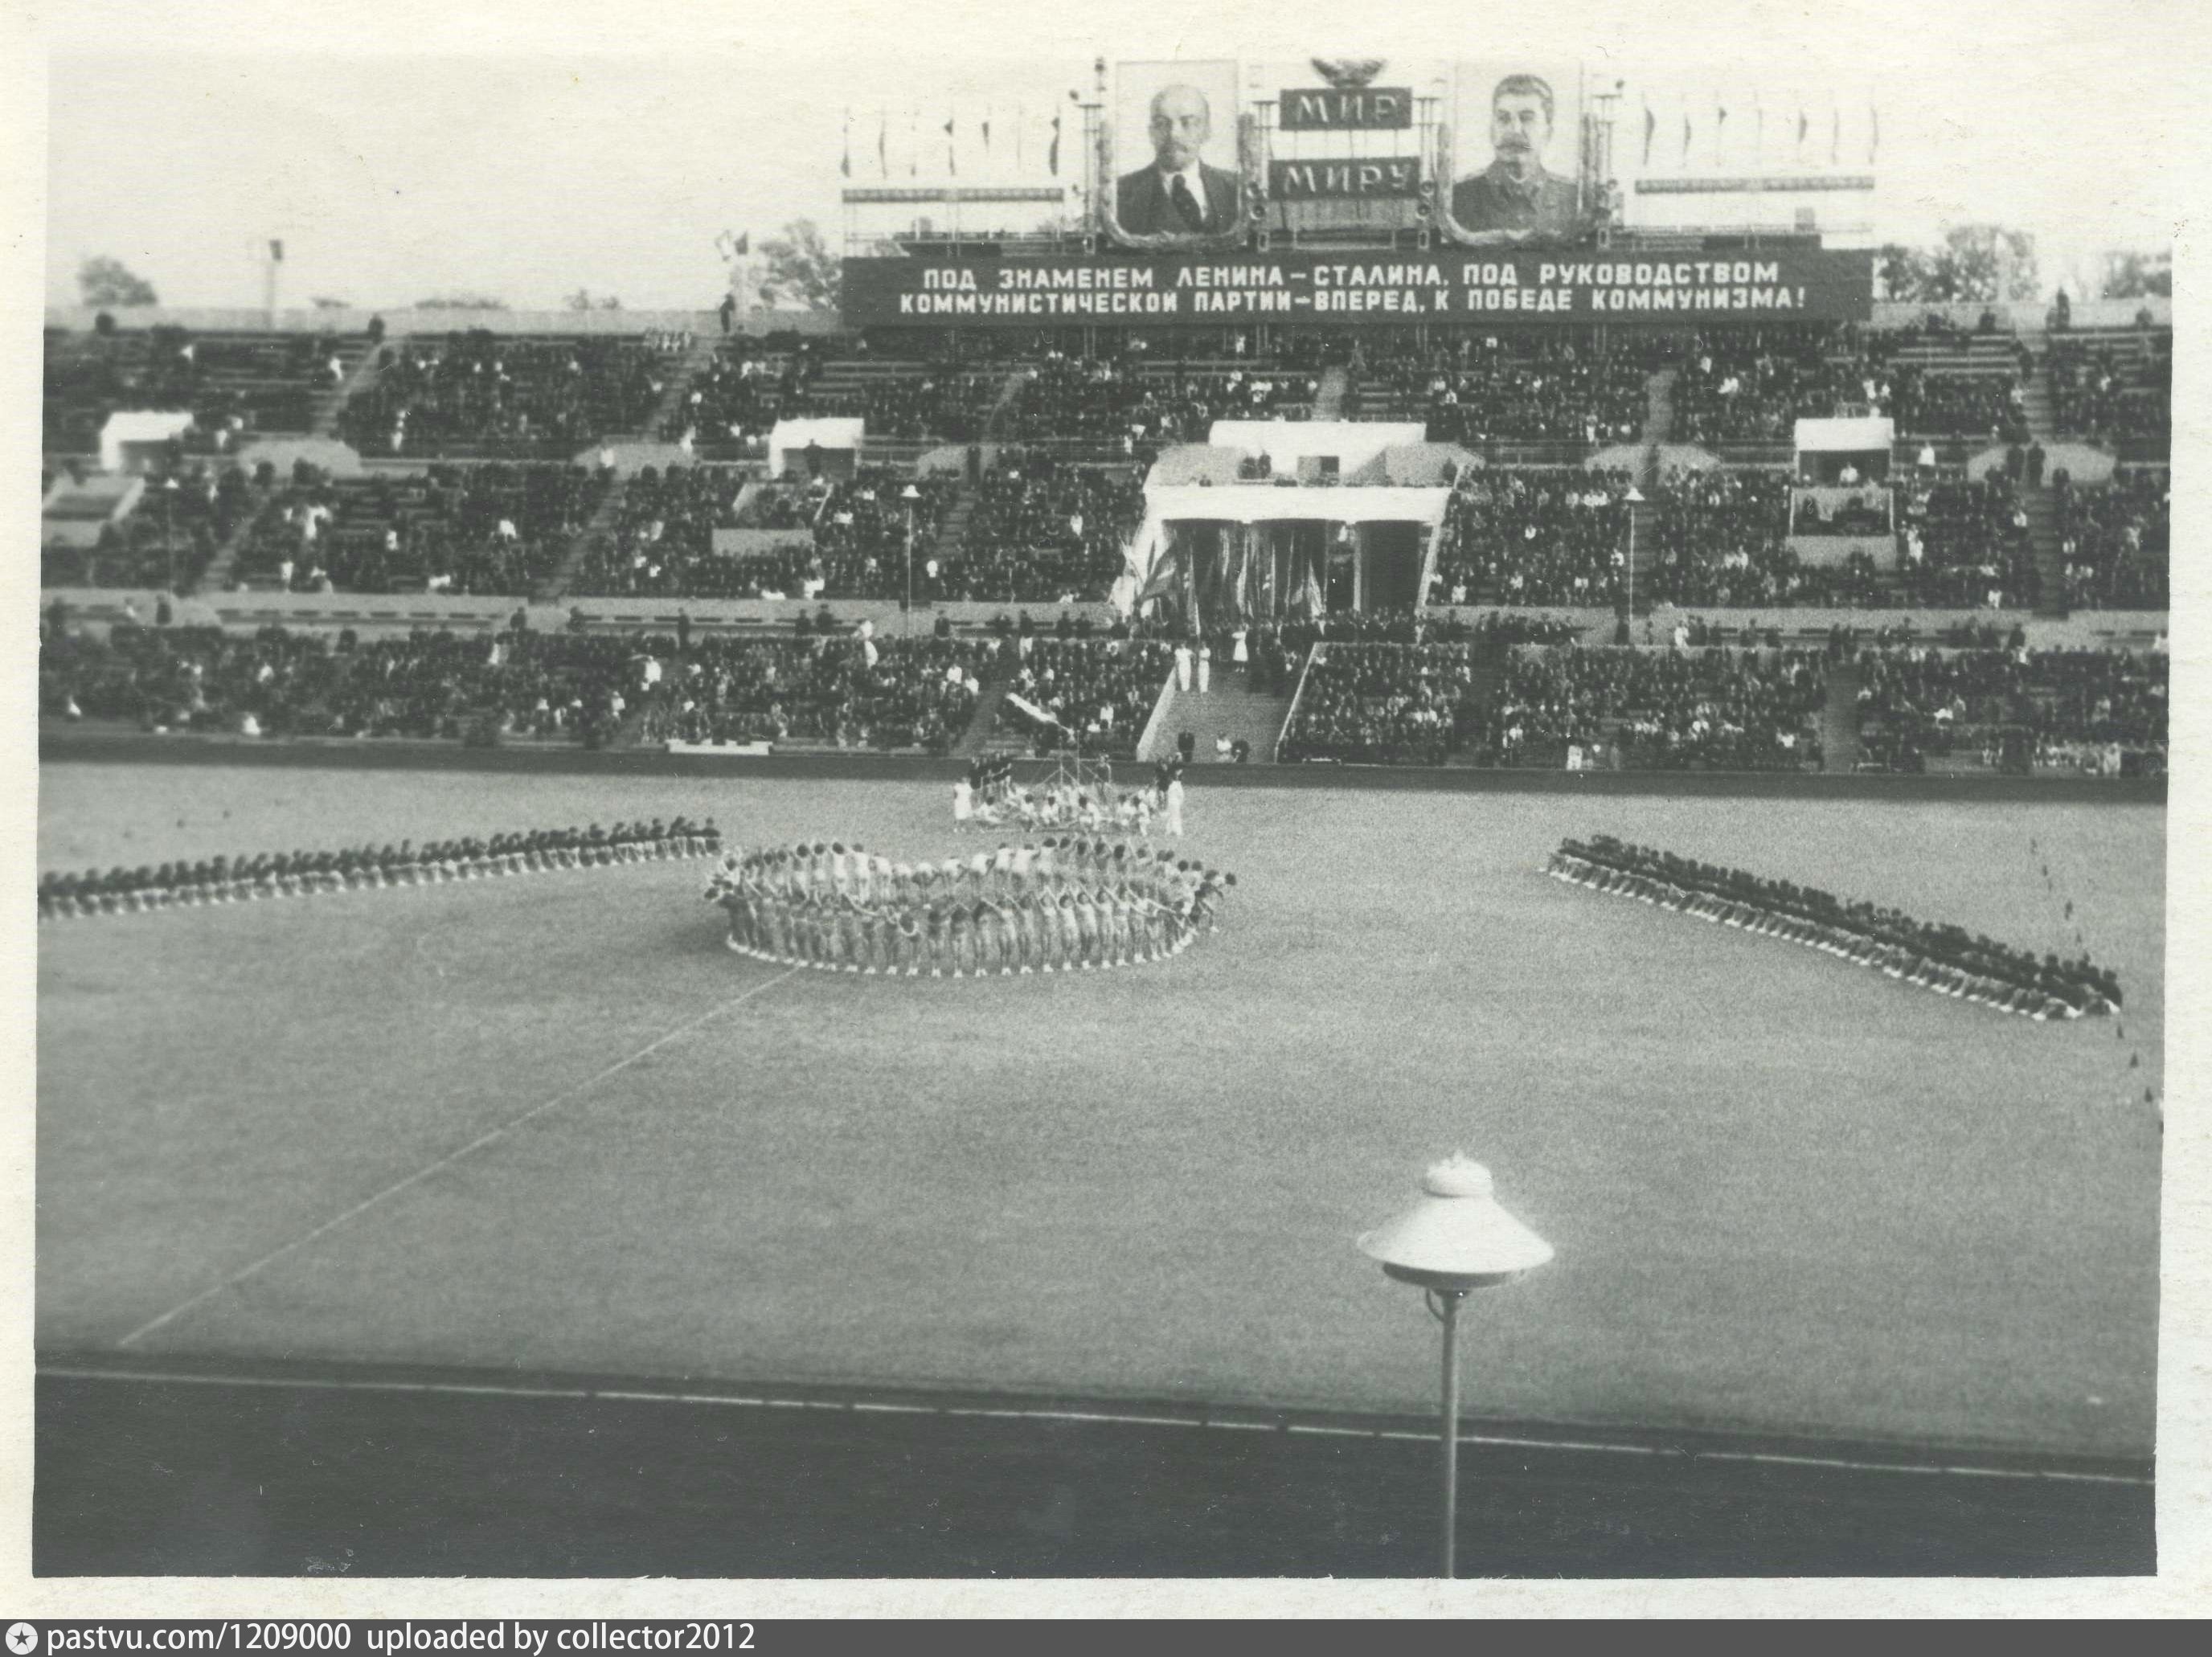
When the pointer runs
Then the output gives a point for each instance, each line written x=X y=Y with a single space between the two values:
x=802 y=273
x=104 y=280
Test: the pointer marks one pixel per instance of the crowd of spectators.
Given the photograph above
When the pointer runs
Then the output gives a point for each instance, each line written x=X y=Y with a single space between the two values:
x=507 y=393
x=2113 y=539
x=1044 y=530
x=837 y=686
x=1965 y=542
x=186 y=511
x=1714 y=709
x=489 y=529
x=1753 y=385
x=1721 y=537
x=2081 y=708
x=1531 y=536
x=1099 y=691
x=2106 y=394
x=1128 y=404
x=659 y=542
x=1531 y=389
x=1365 y=703
x=1958 y=403
x=1428 y=704
x=232 y=384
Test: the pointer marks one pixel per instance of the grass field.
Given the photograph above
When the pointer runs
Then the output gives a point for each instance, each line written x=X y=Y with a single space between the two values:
x=1787 y=1195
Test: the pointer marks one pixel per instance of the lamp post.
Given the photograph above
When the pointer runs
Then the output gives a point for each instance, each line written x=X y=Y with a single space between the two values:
x=169 y=527
x=909 y=494
x=1454 y=1240
x=1635 y=498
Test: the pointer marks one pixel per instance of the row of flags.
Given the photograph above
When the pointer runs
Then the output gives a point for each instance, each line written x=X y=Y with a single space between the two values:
x=1015 y=138
x=1720 y=121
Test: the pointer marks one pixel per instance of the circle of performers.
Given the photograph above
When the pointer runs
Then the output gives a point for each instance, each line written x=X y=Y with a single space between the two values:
x=1064 y=905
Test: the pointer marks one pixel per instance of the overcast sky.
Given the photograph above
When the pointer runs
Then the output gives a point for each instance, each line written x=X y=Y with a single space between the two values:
x=609 y=158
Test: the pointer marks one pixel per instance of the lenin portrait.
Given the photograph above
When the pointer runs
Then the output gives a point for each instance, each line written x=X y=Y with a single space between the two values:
x=1517 y=197
x=1176 y=194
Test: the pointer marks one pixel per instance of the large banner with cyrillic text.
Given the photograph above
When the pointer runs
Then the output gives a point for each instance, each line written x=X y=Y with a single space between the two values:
x=1780 y=285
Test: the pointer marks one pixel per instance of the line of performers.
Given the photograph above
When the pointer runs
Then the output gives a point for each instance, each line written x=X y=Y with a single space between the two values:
x=307 y=874
x=1064 y=905
x=1943 y=959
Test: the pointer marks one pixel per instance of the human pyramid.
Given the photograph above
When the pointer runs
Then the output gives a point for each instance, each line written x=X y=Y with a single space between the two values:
x=1947 y=960
x=1065 y=905
x=307 y=874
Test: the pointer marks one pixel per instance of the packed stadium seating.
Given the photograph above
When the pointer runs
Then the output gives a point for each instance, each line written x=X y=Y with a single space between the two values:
x=2082 y=709
x=1102 y=690
x=1475 y=391
x=2113 y=540
x=505 y=395
x=1138 y=407
x=1043 y=530
x=168 y=539
x=1966 y=541
x=824 y=689
x=2115 y=386
x=235 y=385
x=492 y=528
x=1712 y=709
x=1535 y=537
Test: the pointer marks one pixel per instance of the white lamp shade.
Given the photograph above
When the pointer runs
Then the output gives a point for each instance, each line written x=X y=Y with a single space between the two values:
x=1455 y=1235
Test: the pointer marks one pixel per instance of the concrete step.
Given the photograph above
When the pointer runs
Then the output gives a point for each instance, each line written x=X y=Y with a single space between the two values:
x=1839 y=721
x=1229 y=708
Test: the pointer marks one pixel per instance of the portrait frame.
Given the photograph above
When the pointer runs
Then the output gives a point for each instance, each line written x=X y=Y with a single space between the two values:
x=1125 y=151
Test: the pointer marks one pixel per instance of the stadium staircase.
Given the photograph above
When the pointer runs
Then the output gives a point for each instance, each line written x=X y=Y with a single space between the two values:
x=682 y=371
x=323 y=418
x=556 y=585
x=1009 y=391
x=1230 y=708
x=2042 y=511
x=1839 y=722
x=1659 y=406
x=217 y=577
x=975 y=740
x=1330 y=396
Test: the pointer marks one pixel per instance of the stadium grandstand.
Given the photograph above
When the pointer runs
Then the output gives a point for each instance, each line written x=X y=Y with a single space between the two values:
x=1414 y=545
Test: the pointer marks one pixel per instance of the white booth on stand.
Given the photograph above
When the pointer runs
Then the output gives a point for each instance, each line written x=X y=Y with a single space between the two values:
x=829 y=447
x=132 y=438
x=1840 y=500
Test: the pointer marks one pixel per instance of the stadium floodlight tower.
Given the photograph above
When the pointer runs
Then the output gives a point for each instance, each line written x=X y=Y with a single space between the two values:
x=1455 y=1238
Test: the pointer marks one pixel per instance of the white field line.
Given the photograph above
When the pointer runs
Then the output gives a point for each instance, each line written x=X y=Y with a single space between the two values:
x=490 y=1136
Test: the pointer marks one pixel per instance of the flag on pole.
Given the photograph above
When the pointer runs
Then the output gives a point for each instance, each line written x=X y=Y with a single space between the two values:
x=1685 y=133
x=951 y=160
x=1650 y=126
x=986 y=131
x=1800 y=129
x=1052 y=155
x=1873 y=134
x=884 y=141
x=1720 y=126
x=845 y=167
